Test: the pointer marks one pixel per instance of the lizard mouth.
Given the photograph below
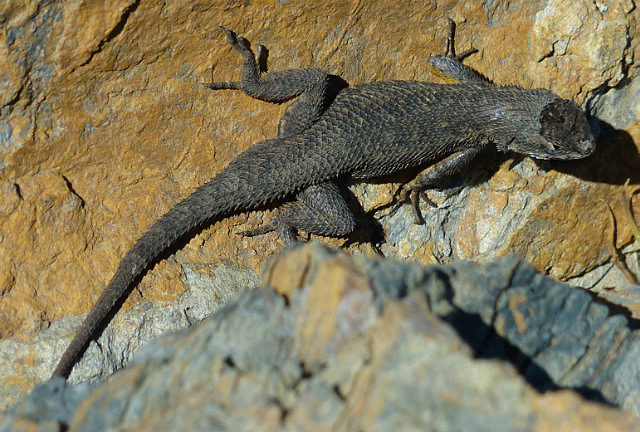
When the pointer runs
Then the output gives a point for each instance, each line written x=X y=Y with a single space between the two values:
x=578 y=150
x=582 y=149
x=561 y=155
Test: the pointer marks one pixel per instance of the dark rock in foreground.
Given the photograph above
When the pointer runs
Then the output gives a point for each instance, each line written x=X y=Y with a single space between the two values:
x=337 y=343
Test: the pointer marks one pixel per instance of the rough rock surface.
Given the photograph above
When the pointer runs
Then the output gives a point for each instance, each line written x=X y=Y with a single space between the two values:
x=104 y=126
x=339 y=343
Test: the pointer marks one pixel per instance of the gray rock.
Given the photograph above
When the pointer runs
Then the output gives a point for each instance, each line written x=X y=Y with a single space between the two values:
x=619 y=105
x=50 y=404
x=208 y=288
x=360 y=344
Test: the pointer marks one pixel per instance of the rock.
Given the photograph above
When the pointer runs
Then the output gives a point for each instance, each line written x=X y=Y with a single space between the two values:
x=595 y=36
x=339 y=343
x=104 y=126
x=31 y=359
x=619 y=106
x=558 y=336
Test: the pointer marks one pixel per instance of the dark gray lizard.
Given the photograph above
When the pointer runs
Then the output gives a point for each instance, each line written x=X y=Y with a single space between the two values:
x=364 y=131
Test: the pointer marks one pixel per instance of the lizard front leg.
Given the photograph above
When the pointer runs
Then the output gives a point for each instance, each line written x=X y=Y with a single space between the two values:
x=449 y=66
x=452 y=164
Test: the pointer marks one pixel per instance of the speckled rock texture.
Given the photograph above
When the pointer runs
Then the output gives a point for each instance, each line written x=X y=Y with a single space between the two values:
x=104 y=126
x=332 y=342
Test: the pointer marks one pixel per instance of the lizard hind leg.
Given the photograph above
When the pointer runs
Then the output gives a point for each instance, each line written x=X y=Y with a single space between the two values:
x=318 y=209
x=449 y=66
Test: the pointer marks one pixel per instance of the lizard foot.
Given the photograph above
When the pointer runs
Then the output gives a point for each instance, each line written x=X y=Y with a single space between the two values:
x=243 y=46
x=237 y=42
x=449 y=44
x=449 y=66
x=285 y=232
x=413 y=195
x=257 y=231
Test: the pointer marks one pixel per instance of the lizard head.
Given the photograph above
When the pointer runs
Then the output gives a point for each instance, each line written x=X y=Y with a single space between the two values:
x=560 y=132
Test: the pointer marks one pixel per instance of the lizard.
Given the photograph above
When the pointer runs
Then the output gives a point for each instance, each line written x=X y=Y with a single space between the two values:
x=363 y=131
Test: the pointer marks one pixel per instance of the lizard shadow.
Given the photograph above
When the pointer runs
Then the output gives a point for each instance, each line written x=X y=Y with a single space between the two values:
x=615 y=160
x=613 y=146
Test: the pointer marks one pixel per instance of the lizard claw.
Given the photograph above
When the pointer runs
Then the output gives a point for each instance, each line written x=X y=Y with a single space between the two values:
x=257 y=231
x=243 y=46
x=449 y=44
x=236 y=41
x=285 y=232
x=413 y=195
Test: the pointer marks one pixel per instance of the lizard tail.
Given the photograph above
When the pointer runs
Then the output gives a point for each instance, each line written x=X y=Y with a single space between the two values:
x=267 y=171
x=210 y=201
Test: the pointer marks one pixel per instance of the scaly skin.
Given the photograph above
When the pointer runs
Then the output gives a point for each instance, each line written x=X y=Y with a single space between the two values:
x=366 y=131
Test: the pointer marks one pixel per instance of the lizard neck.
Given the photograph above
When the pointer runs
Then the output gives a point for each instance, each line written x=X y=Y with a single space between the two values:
x=509 y=112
